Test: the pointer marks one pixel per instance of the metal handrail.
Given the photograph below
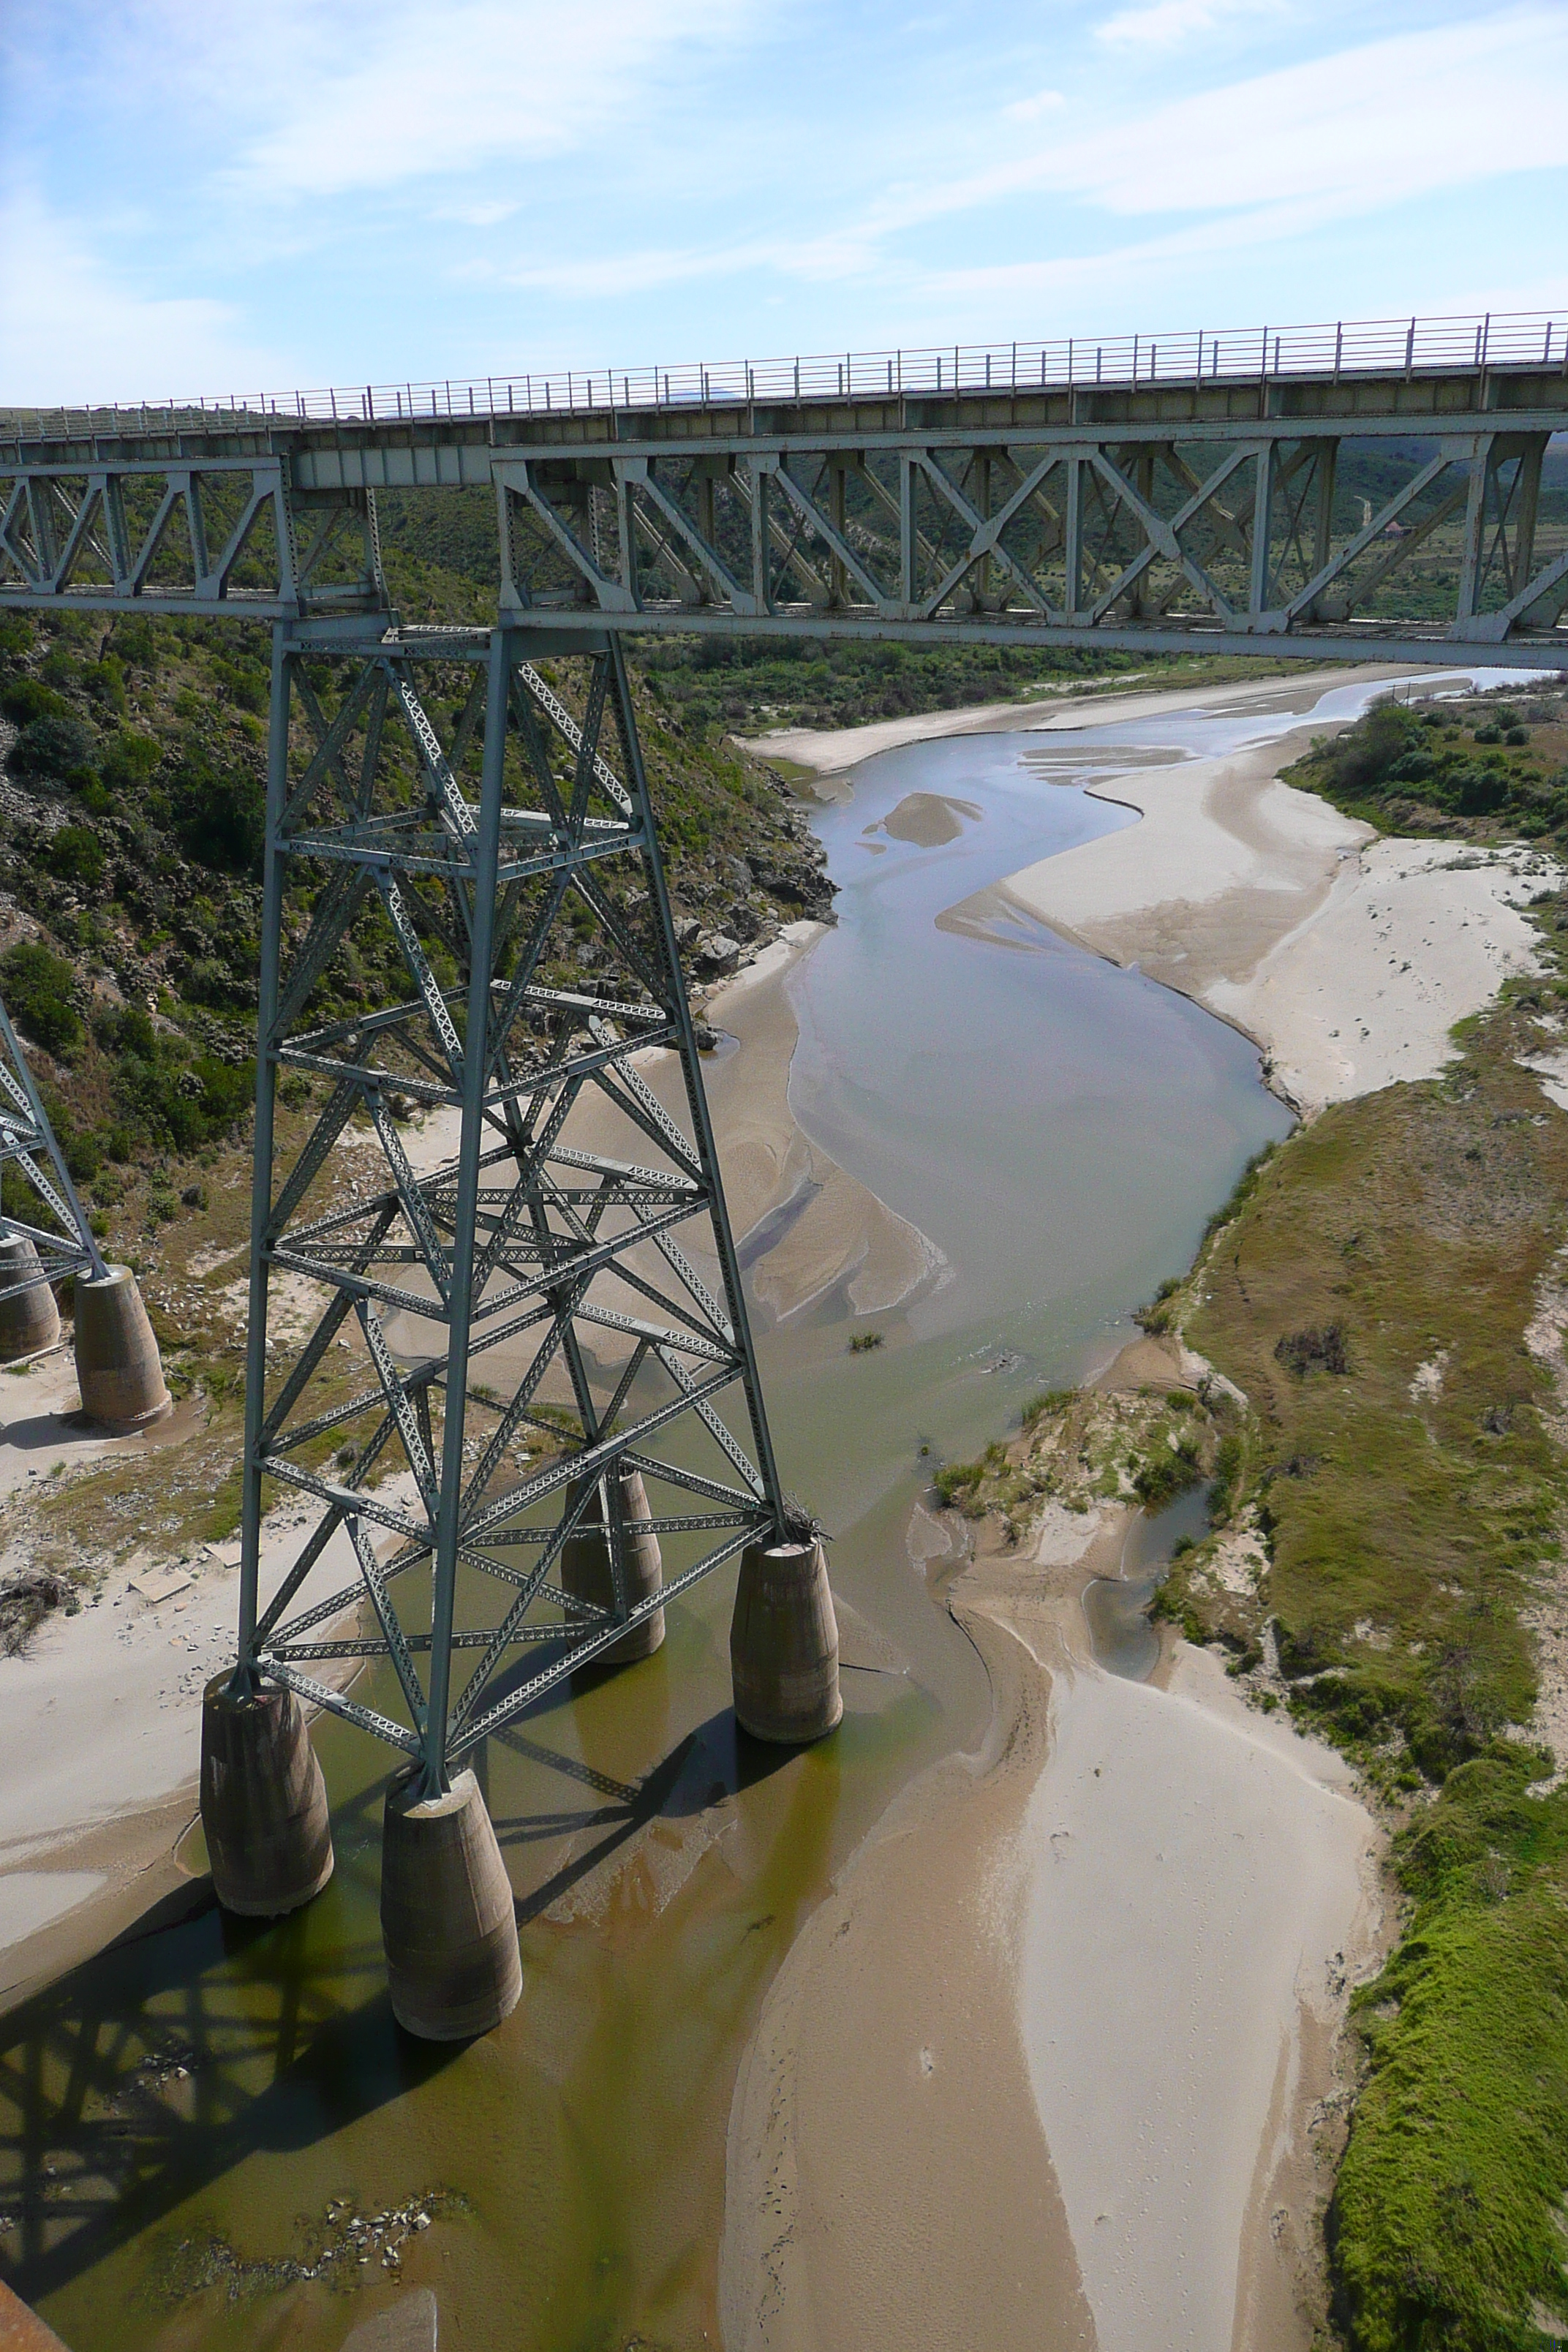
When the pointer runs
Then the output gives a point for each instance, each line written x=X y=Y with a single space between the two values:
x=1412 y=346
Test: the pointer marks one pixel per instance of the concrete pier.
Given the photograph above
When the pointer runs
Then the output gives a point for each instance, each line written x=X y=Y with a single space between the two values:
x=117 y=1360
x=264 y=1802
x=448 y=1920
x=29 y=1320
x=585 y=1568
x=783 y=1643
x=22 y=2330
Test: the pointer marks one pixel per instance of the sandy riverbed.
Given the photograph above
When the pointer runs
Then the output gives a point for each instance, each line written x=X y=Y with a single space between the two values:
x=102 y=1714
x=1346 y=957
x=1145 y=1901
x=1047 y=2067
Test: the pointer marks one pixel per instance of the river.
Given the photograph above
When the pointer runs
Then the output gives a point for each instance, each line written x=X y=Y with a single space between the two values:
x=192 y=2121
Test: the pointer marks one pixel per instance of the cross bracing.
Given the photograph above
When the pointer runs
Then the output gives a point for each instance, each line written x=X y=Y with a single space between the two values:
x=41 y=1206
x=558 y=1296
x=1370 y=492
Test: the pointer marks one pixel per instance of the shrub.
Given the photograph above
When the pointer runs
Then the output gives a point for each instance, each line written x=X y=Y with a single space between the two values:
x=25 y=699
x=130 y=759
x=76 y=855
x=219 y=814
x=105 y=683
x=1360 y=761
x=54 y=744
x=1313 y=1351
x=37 y=987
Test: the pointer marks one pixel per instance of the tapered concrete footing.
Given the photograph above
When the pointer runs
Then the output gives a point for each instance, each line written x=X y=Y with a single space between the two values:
x=117 y=1360
x=447 y=1921
x=29 y=1320
x=22 y=2330
x=783 y=1643
x=264 y=1802
x=585 y=1568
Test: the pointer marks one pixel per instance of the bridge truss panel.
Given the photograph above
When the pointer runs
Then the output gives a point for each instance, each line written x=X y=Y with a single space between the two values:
x=504 y=1225
x=1218 y=535
x=211 y=533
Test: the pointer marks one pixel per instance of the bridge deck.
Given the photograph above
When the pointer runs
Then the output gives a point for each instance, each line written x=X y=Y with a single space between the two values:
x=1373 y=490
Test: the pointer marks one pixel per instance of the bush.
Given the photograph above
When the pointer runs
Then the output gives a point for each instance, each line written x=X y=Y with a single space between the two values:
x=220 y=814
x=130 y=759
x=128 y=1029
x=211 y=984
x=76 y=855
x=1361 y=759
x=51 y=746
x=1314 y=1351
x=1165 y=1474
x=105 y=683
x=37 y=987
x=25 y=699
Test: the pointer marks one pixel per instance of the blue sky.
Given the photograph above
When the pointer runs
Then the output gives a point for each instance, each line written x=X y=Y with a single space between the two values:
x=215 y=198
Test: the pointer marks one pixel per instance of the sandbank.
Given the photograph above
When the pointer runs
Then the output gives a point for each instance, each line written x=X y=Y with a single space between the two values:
x=832 y=752
x=1347 y=956
x=1141 y=1902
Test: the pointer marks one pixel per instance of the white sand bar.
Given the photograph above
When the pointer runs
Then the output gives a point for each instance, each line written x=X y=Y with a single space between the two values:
x=1348 y=957
x=1191 y=1868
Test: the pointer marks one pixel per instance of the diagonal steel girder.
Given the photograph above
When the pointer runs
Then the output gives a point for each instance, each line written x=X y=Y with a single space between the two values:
x=63 y=1240
x=559 y=1292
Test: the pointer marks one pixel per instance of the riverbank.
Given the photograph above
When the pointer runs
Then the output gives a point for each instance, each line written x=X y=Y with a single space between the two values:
x=829 y=753
x=1062 y=2056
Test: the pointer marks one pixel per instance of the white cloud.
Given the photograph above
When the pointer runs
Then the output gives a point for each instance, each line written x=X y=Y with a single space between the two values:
x=495 y=79
x=74 y=331
x=1228 y=171
x=1029 y=110
x=1366 y=127
x=1336 y=136
x=1166 y=24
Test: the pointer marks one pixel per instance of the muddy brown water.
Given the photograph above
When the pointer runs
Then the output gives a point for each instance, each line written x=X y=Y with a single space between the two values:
x=210 y=2136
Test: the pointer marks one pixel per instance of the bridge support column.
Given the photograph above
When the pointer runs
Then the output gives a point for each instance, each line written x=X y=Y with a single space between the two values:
x=448 y=1920
x=29 y=1320
x=117 y=1360
x=783 y=1643
x=264 y=1803
x=588 y=1565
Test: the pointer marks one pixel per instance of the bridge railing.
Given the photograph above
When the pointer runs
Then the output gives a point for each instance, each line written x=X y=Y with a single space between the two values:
x=1345 y=348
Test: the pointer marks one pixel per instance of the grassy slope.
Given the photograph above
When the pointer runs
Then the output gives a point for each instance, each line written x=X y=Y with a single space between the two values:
x=1410 y=1535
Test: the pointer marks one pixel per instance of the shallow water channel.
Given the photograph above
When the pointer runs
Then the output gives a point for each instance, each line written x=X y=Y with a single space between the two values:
x=178 y=2117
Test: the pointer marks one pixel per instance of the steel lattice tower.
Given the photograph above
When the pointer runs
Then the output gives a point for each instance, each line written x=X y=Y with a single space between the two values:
x=568 y=1277
x=65 y=1245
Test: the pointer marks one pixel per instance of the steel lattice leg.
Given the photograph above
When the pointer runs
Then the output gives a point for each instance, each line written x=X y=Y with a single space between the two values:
x=598 y=1293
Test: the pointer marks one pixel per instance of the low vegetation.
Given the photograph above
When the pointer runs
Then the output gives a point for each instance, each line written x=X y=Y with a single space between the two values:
x=1383 y=1290
x=1081 y=1447
x=1472 y=768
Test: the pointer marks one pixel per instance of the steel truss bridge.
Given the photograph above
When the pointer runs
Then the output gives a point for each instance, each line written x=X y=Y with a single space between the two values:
x=561 y=1302
x=1359 y=490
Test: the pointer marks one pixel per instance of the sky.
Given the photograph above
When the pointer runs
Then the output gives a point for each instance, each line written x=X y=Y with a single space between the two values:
x=205 y=200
